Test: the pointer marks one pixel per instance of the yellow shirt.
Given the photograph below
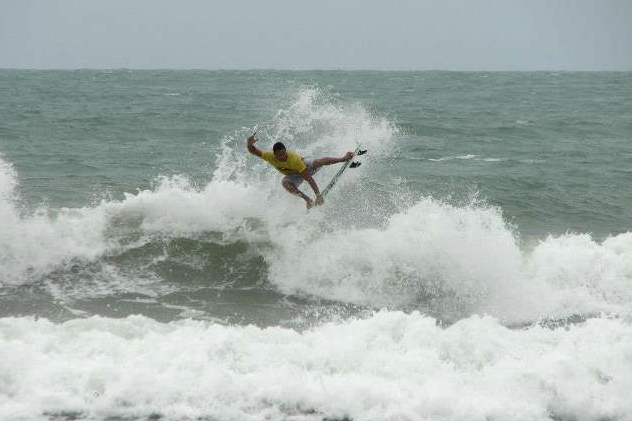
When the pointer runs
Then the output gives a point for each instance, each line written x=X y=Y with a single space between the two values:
x=294 y=163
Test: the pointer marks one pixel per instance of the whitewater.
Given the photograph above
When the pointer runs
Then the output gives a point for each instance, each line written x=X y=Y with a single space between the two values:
x=213 y=294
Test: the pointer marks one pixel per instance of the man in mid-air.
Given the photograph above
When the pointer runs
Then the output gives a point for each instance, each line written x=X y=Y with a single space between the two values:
x=295 y=168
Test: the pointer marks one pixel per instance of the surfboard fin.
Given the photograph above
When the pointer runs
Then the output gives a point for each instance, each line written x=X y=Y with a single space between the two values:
x=355 y=164
x=361 y=152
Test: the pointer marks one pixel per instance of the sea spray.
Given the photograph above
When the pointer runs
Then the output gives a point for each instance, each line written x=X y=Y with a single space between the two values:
x=31 y=244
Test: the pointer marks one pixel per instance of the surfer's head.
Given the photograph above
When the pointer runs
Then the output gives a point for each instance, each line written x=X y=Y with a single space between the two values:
x=279 y=151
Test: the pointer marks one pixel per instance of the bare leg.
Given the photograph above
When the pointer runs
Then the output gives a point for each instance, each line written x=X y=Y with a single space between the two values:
x=292 y=189
x=317 y=163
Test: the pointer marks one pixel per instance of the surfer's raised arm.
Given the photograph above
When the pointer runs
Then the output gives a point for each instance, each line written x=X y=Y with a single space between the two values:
x=250 y=144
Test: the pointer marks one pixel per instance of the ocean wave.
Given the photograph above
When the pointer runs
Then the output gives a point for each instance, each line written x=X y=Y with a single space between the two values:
x=388 y=366
x=378 y=247
x=448 y=260
x=453 y=261
x=467 y=157
x=37 y=242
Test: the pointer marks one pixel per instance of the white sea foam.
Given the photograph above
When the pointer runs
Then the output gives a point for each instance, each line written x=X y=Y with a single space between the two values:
x=32 y=244
x=392 y=366
x=455 y=261
x=35 y=243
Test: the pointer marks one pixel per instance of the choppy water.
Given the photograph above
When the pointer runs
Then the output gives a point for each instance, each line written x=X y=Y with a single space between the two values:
x=478 y=265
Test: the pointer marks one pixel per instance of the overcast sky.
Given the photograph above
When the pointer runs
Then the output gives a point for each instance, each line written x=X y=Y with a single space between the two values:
x=317 y=34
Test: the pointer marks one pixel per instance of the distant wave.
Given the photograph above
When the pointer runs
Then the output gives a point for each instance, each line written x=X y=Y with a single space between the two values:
x=480 y=158
x=450 y=158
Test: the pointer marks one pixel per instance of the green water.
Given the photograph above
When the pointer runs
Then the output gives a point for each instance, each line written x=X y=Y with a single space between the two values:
x=552 y=150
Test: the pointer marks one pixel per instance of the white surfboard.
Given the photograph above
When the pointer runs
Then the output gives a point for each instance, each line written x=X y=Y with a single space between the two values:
x=347 y=164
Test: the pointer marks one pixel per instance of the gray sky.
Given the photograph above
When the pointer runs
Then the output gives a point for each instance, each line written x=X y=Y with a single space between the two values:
x=317 y=34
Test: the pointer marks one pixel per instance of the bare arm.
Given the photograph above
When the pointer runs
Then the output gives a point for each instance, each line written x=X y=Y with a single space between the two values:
x=250 y=144
x=308 y=177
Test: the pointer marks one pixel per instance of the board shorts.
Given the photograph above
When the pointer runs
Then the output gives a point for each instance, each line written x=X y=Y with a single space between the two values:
x=297 y=179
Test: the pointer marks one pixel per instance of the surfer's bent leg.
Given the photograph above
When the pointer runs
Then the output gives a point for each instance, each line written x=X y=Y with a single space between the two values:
x=291 y=187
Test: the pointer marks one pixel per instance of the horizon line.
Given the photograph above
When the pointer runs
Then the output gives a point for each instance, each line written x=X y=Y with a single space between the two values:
x=265 y=69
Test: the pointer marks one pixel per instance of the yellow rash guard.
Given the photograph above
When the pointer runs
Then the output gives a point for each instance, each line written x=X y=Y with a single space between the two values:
x=294 y=163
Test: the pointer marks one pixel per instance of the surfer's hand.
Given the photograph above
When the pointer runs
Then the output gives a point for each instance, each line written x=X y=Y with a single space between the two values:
x=349 y=155
x=252 y=139
x=319 y=200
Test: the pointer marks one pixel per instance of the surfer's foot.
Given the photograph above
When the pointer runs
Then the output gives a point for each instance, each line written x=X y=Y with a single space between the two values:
x=309 y=203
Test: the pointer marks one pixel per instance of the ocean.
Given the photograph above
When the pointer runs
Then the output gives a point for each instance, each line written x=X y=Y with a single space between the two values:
x=476 y=266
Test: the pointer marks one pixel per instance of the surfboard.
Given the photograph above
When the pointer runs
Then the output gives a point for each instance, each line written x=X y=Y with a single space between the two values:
x=348 y=164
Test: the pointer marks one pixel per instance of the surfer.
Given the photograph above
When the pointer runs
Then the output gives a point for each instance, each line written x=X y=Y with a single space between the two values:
x=295 y=168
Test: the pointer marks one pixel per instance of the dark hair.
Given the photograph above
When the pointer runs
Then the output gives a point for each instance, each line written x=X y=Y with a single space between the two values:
x=278 y=147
